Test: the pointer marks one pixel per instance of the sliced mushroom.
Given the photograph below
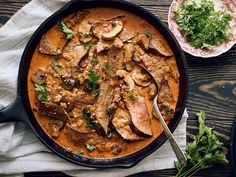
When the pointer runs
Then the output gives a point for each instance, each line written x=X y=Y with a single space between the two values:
x=100 y=27
x=158 y=46
x=141 y=79
x=68 y=83
x=127 y=78
x=39 y=76
x=117 y=27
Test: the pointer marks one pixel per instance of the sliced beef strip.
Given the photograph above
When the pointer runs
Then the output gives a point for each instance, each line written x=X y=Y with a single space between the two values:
x=83 y=99
x=74 y=51
x=68 y=103
x=55 y=127
x=75 y=22
x=129 y=51
x=79 y=137
x=53 y=111
x=115 y=58
x=121 y=121
x=139 y=115
x=39 y=76
x=157 y=66
x=159 y=47
x=103 y=101
x=46 y=47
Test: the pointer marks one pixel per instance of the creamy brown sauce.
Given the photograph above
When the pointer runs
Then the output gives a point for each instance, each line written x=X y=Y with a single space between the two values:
x=132 y=24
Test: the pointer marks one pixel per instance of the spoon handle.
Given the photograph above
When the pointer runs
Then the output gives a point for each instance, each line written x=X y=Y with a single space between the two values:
x=178 y=152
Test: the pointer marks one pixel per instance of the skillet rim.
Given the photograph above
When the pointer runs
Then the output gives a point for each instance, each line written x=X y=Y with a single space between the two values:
x=22 y=89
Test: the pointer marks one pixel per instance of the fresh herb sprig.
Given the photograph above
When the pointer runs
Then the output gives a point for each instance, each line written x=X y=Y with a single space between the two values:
x=42 y=96
x=92 y=84
x=203 y=152
x=89 y=147
x=68 y=32
x=203 y=26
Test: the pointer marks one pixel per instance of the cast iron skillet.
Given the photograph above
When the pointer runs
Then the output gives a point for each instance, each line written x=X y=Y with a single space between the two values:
x=20 y=109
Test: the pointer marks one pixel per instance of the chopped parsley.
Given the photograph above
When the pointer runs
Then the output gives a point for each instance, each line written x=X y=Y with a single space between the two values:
x=56 y=64
x=81 y=154
x=87 y=46
x=148 y=34
x=92 y=84
x=68 y=32
x=87 y=119
x=42 y=96
x=132 y=96
x=107 y=67
x=203 y=26
x=89 y=147
x=129 y=40
x=94 y=61
x=87 y=34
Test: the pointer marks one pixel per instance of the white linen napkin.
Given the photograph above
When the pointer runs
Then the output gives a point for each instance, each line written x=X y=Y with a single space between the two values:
x=20 y=150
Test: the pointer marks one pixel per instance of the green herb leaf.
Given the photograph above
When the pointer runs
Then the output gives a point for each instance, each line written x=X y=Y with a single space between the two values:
x=132 y=96
x=107 y=67
x=94 y=61
x=68 y=32
x=110 y=131
x=87 y=118
x=148 y=34
x=203 y=26
x=92 y=84
x=56 y=64
x=87 y=46
x=129 y=40
x=42 y=96
x=203 y=152
x=87 y=34
x=89 y=147
x=80 y=154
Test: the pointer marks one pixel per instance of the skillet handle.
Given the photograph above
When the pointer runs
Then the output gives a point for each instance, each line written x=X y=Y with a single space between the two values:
x=10 y=113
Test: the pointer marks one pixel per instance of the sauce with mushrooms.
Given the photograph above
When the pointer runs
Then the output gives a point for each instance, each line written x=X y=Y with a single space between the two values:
x=87 y=87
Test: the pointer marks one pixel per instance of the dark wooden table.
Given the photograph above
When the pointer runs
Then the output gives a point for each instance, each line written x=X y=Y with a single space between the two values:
x=212 y=88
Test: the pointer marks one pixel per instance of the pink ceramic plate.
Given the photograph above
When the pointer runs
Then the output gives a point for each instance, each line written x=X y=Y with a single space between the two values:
x=227 y=5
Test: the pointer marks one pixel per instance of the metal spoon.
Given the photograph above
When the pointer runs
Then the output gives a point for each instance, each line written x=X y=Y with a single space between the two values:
x=175 y=146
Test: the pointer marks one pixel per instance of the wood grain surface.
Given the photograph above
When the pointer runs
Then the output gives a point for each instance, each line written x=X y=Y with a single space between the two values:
x=212 y=88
